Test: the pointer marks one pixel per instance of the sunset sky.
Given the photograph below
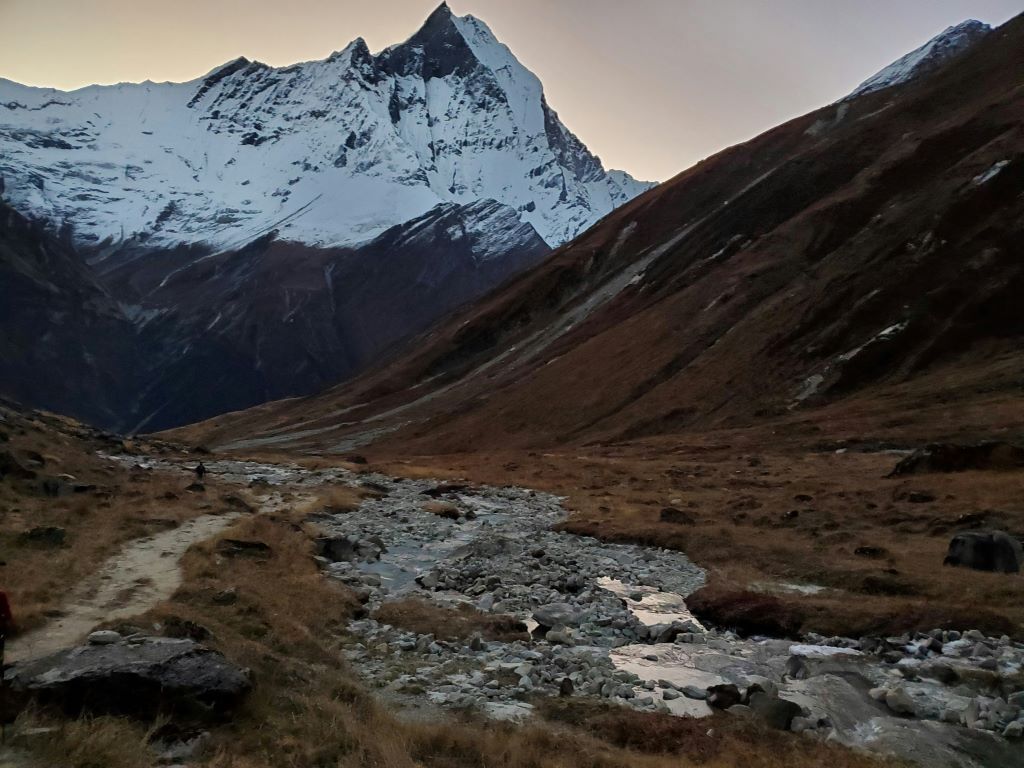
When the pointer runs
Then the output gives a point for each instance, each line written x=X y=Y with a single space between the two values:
x=651 y=86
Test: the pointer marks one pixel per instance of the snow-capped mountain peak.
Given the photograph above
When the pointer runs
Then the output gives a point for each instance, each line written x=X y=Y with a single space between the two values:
x=330 y=152
x=952 y=41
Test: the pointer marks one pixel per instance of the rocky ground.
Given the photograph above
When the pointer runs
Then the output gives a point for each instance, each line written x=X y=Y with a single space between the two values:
x=609 y=621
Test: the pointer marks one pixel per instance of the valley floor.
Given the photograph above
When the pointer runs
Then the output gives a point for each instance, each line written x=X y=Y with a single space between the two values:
x=404 y=642
x=800 y=534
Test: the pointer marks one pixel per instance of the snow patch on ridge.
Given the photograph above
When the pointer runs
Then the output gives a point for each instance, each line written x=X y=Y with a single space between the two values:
x=952 y=41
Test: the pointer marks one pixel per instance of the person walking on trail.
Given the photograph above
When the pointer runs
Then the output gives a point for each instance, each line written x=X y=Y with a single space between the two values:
x=200 y=472
x=6 y=625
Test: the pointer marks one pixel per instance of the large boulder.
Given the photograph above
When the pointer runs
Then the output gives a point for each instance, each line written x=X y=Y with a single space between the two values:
x=141 y=677
x=10 y=466
x=349 y=549
x=775 y=712
x=46 y=537
x=985 y=551
x=950 y=457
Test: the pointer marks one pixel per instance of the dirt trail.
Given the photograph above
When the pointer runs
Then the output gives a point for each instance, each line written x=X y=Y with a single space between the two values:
x=131 y=582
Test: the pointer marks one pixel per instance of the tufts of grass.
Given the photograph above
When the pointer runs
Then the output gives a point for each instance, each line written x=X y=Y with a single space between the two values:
x=458 y=623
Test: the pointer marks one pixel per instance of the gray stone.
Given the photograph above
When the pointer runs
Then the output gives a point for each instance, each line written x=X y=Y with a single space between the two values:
x=104 y=637
x=141 y=678
x=900 y=702
x=557 y=614
x=560 y=636
x=985 y=551
x=723 y=696
x=776 y=713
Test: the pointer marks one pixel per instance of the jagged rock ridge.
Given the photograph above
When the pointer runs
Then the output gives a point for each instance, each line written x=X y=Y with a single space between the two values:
x=325 y=153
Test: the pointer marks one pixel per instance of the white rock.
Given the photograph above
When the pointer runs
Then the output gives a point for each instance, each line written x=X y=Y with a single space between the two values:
x=104 y=637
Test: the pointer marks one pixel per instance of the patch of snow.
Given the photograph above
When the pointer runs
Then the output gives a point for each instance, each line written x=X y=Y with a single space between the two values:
x=929 y=56
x=810 y=387
x=991 y=173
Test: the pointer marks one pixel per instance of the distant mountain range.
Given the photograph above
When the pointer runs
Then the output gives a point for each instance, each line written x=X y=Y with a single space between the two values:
x=327 y=153
x=171 y=252
x=265 y=232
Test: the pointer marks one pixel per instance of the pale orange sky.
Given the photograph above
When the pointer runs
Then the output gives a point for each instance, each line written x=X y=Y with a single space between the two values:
x=651 y=86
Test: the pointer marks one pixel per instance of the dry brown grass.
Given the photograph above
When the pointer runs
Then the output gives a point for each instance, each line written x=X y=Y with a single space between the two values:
x=719 y=740
x=459 y=623
x=123 y=505
x=332 y=500
x=89 y=742
x=307 y=708
x=741 y=489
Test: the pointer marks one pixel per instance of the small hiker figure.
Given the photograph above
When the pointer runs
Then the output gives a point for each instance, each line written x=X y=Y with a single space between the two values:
x=6 y=626
x=200 y=472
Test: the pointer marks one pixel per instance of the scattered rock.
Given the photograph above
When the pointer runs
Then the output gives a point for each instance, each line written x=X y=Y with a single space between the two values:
x=951 y=457
x=236 y=501
x=144 y=678
x=443 y=509
x=43 y=536
x=11 y=467
x=560 y=636
x=796 y=667
x=871 y=551
x=557 y=614
x=777 y=713
x=900 y=702
x=677 y=516
x=985 y=551
x=444 y=489
x=226 y=597
x=104 y=637
x=241 y=548
x=337 y=549
x=724 y=696
x=693 y=692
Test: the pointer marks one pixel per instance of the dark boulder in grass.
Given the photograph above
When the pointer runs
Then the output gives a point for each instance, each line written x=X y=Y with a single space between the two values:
x=775 y=712
x=241 y=548
x=145 y=677
x=985 y=551
x=724 y=696
x=677 y=516
x=44 y=537
x=951 y=457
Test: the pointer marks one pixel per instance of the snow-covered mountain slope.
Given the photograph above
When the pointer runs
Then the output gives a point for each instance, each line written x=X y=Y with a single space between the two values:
x=927 y=58
x=327 y=153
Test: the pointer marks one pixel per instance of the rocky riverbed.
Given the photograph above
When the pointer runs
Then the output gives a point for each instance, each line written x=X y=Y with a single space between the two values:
x=609 y=621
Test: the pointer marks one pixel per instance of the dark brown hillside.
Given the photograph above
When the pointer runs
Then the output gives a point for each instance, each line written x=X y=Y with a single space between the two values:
x=869 y=245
